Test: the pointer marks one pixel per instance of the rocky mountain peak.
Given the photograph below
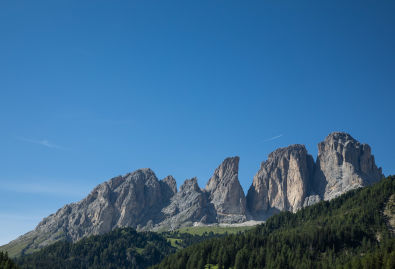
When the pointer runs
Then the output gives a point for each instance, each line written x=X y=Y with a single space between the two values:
x=143 y=175
x=123 y=201
x=282 y=182
x=226 y=172
x=296 y=150
x=169 y=186
x=225 y=191
x=189 y=205
x=339 y=136
x=190 y=185
x=343 y=163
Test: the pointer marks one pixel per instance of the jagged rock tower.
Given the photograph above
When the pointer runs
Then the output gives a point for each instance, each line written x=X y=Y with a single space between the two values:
x=226 y=193
x=290 y=179
x=281 y=183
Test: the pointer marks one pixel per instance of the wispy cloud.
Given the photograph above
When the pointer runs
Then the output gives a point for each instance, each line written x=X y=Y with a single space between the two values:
x=20 y=217
x=273 y=138
x=47 y=188
x=14 y=226
x=43 y=142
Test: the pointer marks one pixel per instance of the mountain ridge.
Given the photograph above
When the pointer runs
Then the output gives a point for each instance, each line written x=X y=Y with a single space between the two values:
x=287 y=181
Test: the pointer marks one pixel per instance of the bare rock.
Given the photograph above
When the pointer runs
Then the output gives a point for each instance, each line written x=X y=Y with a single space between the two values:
x=343 y=164
x=169 y=186
x=189 y=205
x=226 y=193
x=311 y=200
x=281 y=183
x=124 y=201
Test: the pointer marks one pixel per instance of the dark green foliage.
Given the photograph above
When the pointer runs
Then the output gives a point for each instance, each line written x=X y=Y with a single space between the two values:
x=121 y=248
x=185 y=239
x=347 y=232
x=5 y=262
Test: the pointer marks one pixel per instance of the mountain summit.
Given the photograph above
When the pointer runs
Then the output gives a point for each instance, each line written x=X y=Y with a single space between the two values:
x=344 y=164
x=282 y=182
x=290 y=179
x=226 y=193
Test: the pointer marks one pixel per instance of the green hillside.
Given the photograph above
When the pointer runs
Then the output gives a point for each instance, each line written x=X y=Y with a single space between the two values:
x=121 y=248
x=187 y=236
x=202 y=230
x=351 y=231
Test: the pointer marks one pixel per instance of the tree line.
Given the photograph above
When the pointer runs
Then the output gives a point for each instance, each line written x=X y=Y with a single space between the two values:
x=348 y=232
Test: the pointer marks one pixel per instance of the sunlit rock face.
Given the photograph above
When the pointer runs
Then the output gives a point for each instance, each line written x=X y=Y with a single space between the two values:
x=289 y=179
x=226 y=193
x=189 y=205
x=125 y=201
x=282 y=182
x=343 y=164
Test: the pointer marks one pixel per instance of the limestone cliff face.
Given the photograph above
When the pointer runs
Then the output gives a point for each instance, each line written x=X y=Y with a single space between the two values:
x=226 y=193
x=189 y=205
x=290 y=179
x=125 y=201
x=168 y=186
x=282 y=182
x=343 y=164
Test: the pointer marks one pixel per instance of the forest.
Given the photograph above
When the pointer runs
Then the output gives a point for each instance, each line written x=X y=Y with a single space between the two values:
x=6 y=262
x=350 y=231
x=121 y=248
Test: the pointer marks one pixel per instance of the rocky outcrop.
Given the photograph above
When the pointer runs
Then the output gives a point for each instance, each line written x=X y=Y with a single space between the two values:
x=281 y=183
x=226 y=193
x=168 y=187
x=124 y=201
x=311 y=200
x=189 y=205
x=343 y=164
x=289 y=179
x=127 y=201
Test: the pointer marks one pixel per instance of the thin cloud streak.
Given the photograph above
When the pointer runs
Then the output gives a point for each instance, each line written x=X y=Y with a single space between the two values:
x=273 y=138
x=45 y=188
x=22 y=217
x=43 y=142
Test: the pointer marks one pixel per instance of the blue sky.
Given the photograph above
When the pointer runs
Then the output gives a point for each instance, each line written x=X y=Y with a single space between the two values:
x=95 y=89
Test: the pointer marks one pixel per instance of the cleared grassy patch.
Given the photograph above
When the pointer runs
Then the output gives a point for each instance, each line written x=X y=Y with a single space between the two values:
x=200 y=230
x=211 y=266
x=174 y=241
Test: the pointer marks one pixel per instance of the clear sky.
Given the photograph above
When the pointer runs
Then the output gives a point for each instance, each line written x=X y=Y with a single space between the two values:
x=95 y=89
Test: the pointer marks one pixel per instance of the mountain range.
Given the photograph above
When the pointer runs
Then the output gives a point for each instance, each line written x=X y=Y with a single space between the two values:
x=288 y=180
